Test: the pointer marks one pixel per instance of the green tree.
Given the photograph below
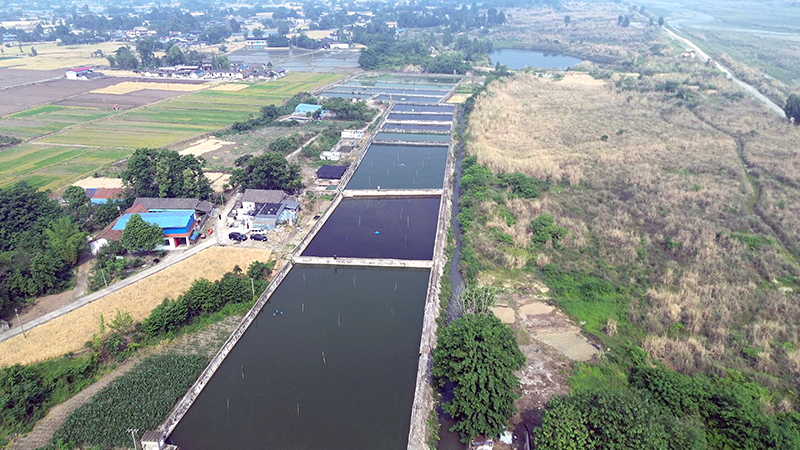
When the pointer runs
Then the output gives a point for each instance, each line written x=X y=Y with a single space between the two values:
x=566 y=20
x=43 y=275
x=165 y=173
x=174 y=56
x=661 y=21
x=258 y=33
x=478 y=354
x=75 y=196
x=145 y=48
x=66 y=239
x=609 y=419
x=792 y=108
x=140 y=235
x=268 y=171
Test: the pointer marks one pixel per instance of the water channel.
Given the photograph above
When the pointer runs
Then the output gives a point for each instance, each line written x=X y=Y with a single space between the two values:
x=412 y=137
x=329 y=363
x=518 y=58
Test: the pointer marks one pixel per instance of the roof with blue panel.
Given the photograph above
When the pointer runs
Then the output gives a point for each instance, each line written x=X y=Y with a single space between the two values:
x=172 y=222
x=304 y=108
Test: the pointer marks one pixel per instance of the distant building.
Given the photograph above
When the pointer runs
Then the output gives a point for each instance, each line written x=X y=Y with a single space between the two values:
x=103 y=195
x=305 y=108
x=352 y=134
x=255 y=43
x=339 y=46
x=264 y=209
x=82 y=73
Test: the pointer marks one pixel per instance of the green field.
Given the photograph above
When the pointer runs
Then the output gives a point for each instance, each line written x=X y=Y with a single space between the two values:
x=66 y=155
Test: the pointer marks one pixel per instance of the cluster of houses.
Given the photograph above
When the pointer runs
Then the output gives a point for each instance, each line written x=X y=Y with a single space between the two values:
x=83 y=73
x=184 y=219
x=238 y=71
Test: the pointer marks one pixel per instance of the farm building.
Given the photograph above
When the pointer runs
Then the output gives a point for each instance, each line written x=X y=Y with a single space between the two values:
x=305 y=108
x=178 y=226
x=328 y=172
x=103 y=195
x=264 y=209
x=154 y=204
x=82 y=73
x=256 y=43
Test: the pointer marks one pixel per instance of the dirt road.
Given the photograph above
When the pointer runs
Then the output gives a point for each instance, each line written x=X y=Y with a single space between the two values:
x=749 y=89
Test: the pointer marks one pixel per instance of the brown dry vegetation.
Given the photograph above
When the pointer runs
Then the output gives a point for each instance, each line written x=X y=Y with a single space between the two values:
x=71 y=331
x=665 y=203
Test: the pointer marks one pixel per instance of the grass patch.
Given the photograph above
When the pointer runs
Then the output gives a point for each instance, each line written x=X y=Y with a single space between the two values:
x=36 y=111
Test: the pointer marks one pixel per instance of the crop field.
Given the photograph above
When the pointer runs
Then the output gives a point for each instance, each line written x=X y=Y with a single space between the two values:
x=71 y=331
x=47 y=166
x=98 y=135
x=51 y=56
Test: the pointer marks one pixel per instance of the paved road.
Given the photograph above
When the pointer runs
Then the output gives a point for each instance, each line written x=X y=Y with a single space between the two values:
x=748 y=88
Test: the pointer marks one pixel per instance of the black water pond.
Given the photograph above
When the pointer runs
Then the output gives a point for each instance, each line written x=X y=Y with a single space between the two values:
x=396 y=228
x=519 y=58
x=329 y=94
x=401 y=167
x=329 y=363
x=416 y=127
x=424 y=108
x=421 y=117
x=412 y=137
x=445 y=87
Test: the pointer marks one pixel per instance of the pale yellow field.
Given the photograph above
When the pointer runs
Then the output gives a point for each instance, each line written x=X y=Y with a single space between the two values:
x=218 y=180
x=71 y=331
x=230 y=87
x=51 y=56
x=204 y=146
x=458 y=98
x=126 y=87
x=99 y=182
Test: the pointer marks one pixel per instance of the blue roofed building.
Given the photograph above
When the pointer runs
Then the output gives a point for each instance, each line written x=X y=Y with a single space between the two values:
x=305 y=108
x=178 y=226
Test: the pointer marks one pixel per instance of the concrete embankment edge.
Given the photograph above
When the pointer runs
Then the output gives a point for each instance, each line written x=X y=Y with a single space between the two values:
x=423 y=394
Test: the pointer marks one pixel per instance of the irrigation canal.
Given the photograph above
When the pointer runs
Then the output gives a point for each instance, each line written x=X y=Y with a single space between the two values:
x=336 y=352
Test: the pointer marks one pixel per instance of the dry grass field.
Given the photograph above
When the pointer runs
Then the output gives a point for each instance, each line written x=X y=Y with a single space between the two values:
x=126 y=87
x=71 y=331
x=692 y=210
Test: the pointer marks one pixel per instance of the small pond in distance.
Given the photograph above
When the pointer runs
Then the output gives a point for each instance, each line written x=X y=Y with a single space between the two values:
x=518 y=58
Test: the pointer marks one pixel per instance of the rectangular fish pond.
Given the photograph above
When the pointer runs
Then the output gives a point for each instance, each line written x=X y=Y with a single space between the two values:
x=381 y=227
x=397 y=91
x=412 y=137
x=424 y=108
x=422 y=128
x=401 y=167
x=420 y=117
x=408 y=98
x=329 y=363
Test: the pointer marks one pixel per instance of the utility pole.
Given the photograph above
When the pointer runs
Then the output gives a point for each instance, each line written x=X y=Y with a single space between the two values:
x=133 y=432
x=20 y=323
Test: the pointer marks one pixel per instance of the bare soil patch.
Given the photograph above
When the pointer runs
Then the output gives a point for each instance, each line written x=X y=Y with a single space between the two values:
x=126 y=101
x=24 y=97
x=206 y=145
x=99 y=182
x=14 y=77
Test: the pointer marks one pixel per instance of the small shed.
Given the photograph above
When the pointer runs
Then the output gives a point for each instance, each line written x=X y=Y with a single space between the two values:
x=329 y=172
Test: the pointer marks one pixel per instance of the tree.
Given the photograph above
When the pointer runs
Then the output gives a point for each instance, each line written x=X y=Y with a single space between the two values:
x=478 y=354
x=145 y=47
x=235 y=26
x=66 y=239
x=140 y=235
x=792 y=108
x=566 y=20
x=661 y=21
x=258 y=33
x=608 y=419
x=269 y=171
x=174 y=56
x=75 y=196
x=165 y=173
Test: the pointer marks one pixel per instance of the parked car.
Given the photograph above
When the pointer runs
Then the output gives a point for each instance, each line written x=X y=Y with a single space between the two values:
x=258 y=237
x=234 y=236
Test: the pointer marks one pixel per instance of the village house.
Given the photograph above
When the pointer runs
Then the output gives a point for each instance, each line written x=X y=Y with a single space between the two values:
x=263 y=209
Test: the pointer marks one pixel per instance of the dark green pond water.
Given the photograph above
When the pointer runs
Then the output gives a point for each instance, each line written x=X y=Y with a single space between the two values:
x=412 y=137
x=519 y=58
x=401 y=167
x=275 y=390
x=398 y=228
